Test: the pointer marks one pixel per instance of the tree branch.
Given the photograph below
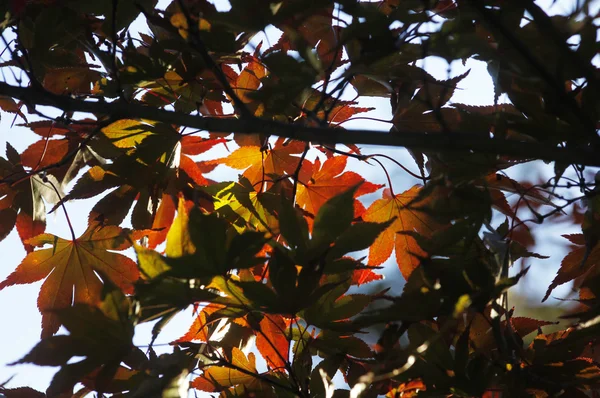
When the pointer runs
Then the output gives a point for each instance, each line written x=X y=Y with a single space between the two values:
x=198 y=45
x=451 y=142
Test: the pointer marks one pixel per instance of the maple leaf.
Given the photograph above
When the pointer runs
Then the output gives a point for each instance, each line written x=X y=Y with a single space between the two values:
x=58 y=141
x=409 y=217
x=338 y=111
x=319 y=32
x=46 y=152
x=199 y=329
x=8 y=104
x=192 y=170
x=71 y=80
x=248 y=81
x=259 y=165
x=162 y=220
x=155 y=167
x=414 y=114
x=127 y=133
x=250 y=207
x=165 y=211
x=218 y=378
x=272 y=342
x=410 y=389
x=187 y=95
x=21 y=202
x=179 y=242
x=480 y=332
x=101 y=334
x=70 y=267
x=328 y=181
x=573 y=266
x=363 y=276
x=193 y=145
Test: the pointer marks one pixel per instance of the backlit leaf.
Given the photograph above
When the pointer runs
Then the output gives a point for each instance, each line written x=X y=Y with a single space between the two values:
x=218 y=378
x=200 y=328
x=272 y=341
x=330 y=180
x=408 y=210
x=127 y=133
x=179 y=242
x=69 y=268
x=22 y=198
x=46 y=152
x=193 y=145
x=259 y=165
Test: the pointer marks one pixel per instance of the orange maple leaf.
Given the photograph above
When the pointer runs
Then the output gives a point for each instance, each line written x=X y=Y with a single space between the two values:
x=69 y=268
x=363 y=276
x=192 y=170
x=259 y=164
x=218 y=378
x=328 y=181
x=272 y=342
x=409 y=217
x=162 y=221
x=194 y=145
x=248 y=80
x=199 y=329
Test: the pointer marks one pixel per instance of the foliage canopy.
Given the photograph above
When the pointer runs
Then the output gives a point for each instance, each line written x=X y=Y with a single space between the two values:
x=145 y=122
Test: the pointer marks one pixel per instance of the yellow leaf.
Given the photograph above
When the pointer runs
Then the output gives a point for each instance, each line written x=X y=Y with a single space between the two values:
x=179 y=21
x=179 y=242
x=218 y=378
x=203 y=24
x=126 y=133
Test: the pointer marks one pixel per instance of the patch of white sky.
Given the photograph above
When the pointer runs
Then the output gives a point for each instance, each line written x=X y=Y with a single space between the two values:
x=22 y=332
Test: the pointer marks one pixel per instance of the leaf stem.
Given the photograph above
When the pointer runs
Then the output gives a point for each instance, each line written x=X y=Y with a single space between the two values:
x=296 y=175
x=387 y=175
x=62 y=204
x=424 y=178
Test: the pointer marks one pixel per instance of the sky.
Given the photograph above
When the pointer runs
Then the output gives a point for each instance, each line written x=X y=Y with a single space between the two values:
x=20 y=327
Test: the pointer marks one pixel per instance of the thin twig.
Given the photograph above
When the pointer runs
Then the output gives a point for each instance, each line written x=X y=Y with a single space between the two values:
x=62 y=204
x=424 y=178
x=387 y=175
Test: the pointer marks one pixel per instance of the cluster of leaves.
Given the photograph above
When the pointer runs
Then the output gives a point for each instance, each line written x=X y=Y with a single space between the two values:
x=269 y=262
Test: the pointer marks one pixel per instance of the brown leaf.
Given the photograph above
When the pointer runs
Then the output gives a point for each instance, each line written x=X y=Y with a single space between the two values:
x=71 y=80
x=572 y=265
